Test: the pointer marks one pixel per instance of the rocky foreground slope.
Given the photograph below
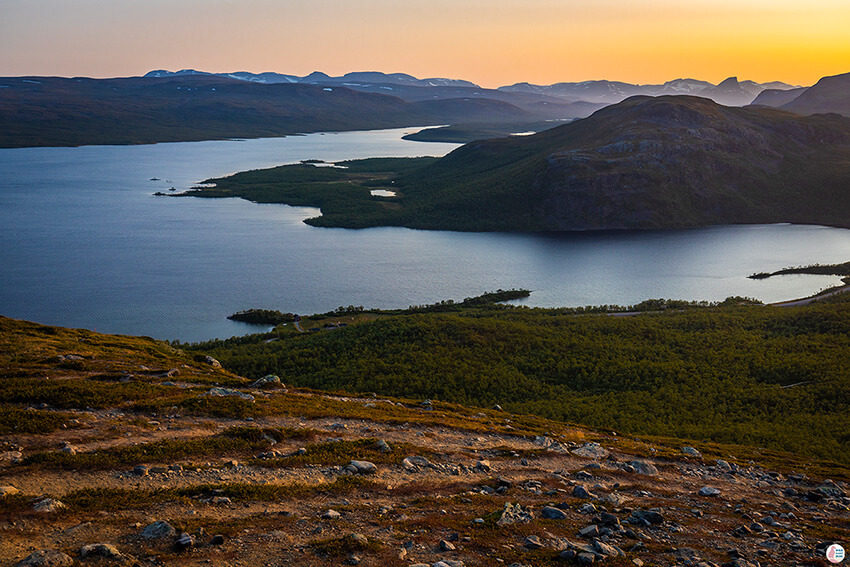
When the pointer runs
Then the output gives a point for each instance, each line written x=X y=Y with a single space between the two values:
x=124 y=451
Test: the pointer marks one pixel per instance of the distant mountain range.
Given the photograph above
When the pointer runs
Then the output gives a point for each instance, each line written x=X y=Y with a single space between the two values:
x=730 y=92
x=51 y=111
x=192 y=105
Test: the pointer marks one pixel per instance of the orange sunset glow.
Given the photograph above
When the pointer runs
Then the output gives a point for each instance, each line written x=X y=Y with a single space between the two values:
x=492 y=43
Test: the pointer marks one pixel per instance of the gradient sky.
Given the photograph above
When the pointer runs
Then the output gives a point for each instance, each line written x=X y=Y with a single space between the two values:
x=490 y=42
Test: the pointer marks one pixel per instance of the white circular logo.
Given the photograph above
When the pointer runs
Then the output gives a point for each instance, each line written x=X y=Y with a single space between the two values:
x=835 y=553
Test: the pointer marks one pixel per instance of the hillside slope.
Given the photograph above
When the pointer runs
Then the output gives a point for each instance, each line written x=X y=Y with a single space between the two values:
x=120 y=451
x=830 y=94
x=646 y=163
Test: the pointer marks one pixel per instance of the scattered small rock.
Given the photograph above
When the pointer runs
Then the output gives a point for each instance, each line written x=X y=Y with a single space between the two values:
x=446 y=546
x=331 y=515
x=224 y=392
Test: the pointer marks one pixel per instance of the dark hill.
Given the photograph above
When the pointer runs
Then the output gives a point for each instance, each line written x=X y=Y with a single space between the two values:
x=830 y=94
x=50 y=111
x=645 y=163
x=777 y=97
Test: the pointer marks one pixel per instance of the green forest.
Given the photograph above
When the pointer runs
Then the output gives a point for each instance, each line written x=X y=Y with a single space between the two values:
x=732 y=372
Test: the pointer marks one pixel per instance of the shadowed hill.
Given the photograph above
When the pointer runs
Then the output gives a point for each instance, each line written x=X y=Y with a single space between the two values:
x=645 y=163
x=830 y=94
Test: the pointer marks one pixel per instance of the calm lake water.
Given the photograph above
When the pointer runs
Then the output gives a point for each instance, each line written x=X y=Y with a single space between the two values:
x=83 y=243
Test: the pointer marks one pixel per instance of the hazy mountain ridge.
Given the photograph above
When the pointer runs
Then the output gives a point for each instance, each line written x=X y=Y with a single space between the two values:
x=729 y=92
x=51 y=111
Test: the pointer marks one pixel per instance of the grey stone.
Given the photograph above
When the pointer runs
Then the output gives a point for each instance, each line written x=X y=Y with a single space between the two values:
x=217 y=539
x=691 y=452
x=586 y=558
x=100 y=550
x=141 y=470
x=642 y=467
x=363 y=467
x=331 y=515
x=158 y=529
x=269 y=381
x=646 y=516
x=722 y=465
x=48 y=505
x=46 y=558
x=184 y=542
x=383 y=446
x=589 y=531
x=581 y=492
x=482 y=466
x=415 y=461
x=515 y=513
x=605 y=549
x=446 y=546
x=551 y=513
x=591 y=451
x=532 y=542
x=211 y=361
x=708 y=491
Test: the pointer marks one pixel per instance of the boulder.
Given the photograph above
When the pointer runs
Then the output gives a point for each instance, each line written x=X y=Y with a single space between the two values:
x=532 y=542
x=581 y=492
x=482 y=466
x=708 y=491
x=515 y=513
x=106 y=550
x=184 y=542
x=591 y=451
x=158 y=529
x=46 y=558
x=642 y=467
x=383 y=446
x=551 y=513
x=48 y=505
x=691 y=452
x=269 y=381
x=362 y=467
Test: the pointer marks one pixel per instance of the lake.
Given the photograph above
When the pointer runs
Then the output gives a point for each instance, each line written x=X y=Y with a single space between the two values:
x=84 y=243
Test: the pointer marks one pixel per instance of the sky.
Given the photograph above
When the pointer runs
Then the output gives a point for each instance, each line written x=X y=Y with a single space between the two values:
x=489 y=42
